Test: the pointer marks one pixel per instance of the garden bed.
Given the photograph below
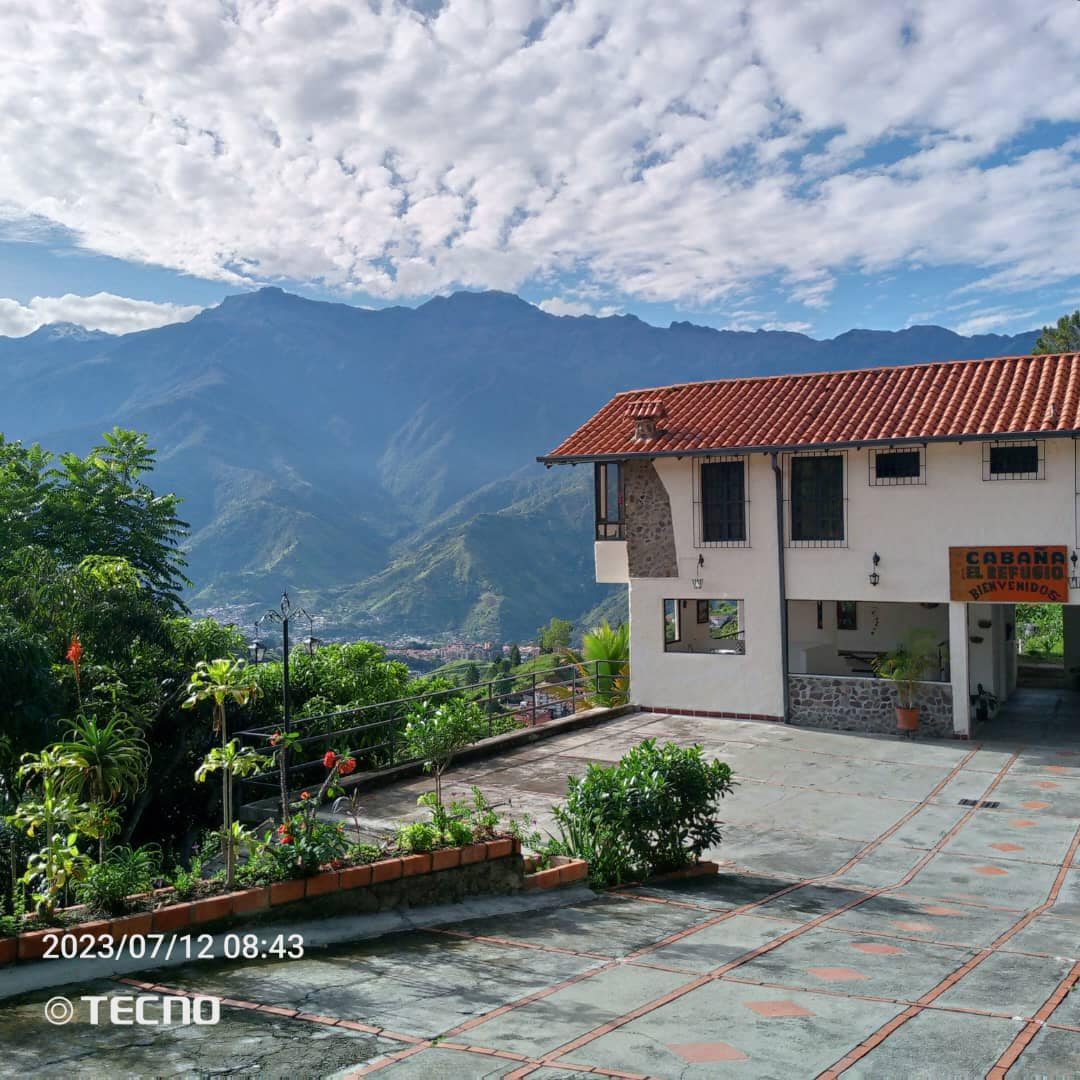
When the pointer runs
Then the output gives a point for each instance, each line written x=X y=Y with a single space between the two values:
x=445 y=875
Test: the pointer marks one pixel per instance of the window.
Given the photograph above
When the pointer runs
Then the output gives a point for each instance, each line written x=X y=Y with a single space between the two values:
x=817 y=499
x=718 y=627
x=890 y=468
x=609 y=501
x=1014 y=461
x=720 y=491
x=671 y=622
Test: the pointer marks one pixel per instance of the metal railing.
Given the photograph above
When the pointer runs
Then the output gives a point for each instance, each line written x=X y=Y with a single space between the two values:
x=374 y=734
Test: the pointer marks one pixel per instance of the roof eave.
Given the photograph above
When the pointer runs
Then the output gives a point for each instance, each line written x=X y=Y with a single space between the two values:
x=790 y=448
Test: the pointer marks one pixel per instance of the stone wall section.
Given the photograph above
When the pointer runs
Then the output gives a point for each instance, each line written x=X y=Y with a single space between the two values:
x=650 y=534
x=846 y=704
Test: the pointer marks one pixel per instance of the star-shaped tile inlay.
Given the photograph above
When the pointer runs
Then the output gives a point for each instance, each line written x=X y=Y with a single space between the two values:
x=702 y=1053
x=773 y=1009
x=836 y=974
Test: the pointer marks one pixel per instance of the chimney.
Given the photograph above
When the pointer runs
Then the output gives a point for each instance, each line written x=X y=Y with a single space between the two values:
x=645 y=415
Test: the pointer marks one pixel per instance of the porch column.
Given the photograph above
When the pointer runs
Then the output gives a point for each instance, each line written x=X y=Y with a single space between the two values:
x=958 y=667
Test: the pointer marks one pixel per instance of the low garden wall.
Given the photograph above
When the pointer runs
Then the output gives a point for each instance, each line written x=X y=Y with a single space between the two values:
x=447 y=875
x=854 y=704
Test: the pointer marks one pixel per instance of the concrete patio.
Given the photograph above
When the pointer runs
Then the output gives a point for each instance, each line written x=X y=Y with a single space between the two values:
x=866 y=923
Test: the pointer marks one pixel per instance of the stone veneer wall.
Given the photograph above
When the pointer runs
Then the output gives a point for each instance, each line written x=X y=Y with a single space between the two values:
x=853 y=704
x=650 y=535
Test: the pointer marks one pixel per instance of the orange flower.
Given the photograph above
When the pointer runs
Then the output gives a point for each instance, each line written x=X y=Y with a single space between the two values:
x=305 y=794
x=74 y=654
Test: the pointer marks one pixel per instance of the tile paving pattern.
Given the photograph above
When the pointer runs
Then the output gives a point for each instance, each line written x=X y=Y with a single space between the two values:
x=863 y=925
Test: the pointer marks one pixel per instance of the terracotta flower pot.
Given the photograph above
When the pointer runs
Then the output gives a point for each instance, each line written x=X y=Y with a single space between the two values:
x=907 y=719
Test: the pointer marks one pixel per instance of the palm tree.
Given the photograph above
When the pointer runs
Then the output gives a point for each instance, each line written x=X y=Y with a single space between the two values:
x=603 y=666
x=219 y=682
x=109 y=761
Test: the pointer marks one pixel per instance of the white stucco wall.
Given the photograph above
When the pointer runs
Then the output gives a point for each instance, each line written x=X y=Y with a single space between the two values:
x=611 y=562
x=910 y=527
x=750 y=683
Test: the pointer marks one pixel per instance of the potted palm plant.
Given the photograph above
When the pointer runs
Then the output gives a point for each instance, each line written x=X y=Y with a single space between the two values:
x=907 y=665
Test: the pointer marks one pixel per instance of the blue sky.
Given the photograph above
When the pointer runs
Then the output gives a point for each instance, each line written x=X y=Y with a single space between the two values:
x=812 y=167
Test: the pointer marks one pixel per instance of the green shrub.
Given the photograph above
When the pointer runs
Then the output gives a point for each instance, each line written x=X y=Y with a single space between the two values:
x=310 y=842
x=126 y=871
x=184 y=880
x=418 y=836
x=267 y=863
x=364 y=853
x=435 y=733
x=653 y=812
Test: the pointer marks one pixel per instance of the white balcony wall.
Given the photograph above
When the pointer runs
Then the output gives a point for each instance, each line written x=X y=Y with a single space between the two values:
x=611 y=562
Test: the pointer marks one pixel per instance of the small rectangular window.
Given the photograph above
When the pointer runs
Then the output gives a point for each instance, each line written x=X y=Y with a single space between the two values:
x=717 y=628
x=609 y=500
x=723 y=501
x=896 y=467
x=721 y=506
x=817 y=499
x=1013 y=461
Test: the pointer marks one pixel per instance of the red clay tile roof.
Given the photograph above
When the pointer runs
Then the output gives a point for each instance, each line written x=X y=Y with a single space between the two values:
x=953 y=399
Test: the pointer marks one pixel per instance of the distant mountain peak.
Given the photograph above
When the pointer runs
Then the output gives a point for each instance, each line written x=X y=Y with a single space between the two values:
x=485 y=300
x=69 y=330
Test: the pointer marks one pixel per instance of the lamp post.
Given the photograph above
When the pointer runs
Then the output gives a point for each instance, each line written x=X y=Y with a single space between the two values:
x=283 y=614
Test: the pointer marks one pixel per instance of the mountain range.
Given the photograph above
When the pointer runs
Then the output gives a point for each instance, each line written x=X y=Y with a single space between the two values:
x=380 y=463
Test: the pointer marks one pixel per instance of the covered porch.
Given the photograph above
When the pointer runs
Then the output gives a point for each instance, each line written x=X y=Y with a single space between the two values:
x=834 y=647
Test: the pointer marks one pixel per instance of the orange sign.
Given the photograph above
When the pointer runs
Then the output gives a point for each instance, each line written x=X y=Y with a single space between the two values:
x=1007 y=575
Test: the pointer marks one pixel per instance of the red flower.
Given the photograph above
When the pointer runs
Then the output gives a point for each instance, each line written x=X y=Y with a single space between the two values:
x=286 y=839
x=305 y=794
x=329 y=759
x=74 y=654
x=275 y=738
x=280 y=829
x=347 y=766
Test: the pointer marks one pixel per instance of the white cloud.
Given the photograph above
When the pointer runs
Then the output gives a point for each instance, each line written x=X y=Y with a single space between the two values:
x=408 y=148
x=558 y=305
x=103 y=311
x=995 y=320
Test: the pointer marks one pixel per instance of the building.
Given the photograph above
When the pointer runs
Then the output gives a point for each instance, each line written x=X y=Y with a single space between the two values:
x=780 y=533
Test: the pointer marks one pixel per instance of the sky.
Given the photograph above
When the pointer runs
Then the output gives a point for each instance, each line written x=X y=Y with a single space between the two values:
x=810 y=166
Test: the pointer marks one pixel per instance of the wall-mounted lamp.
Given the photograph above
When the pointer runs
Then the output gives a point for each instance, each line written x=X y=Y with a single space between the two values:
x=875 y=577
x=1074 y=578
x=698 y=581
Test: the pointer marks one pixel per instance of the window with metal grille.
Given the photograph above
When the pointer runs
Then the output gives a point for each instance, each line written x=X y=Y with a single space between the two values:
x=609 y=500
x=1014 y=460
x=721 y=488
x=817 y=499
x=889 y=468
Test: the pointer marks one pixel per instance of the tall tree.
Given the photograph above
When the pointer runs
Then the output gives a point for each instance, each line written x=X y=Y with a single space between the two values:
x=101 y=505
x=555 y=636
x=1063 y=337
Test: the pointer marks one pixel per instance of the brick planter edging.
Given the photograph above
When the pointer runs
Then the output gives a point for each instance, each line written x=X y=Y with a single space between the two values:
x=563 y=871
x=401 y=880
